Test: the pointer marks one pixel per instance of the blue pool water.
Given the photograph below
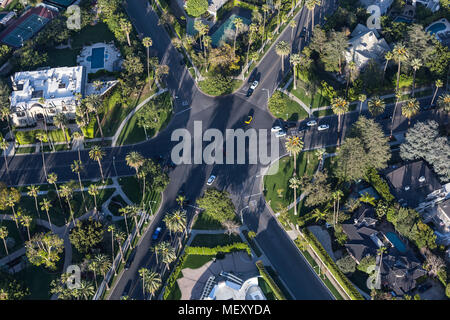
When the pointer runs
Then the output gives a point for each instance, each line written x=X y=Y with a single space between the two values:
x=436 y=27
x=97 y=58
x=398 y=244
x=220 y=33
x=402 y=19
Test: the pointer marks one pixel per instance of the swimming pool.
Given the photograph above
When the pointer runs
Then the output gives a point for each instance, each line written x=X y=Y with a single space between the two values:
x=220 y=34
x=437 y=27
x=97 y=58
x=396 y=242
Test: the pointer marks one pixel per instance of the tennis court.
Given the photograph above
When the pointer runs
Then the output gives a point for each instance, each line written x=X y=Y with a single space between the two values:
x=24 y=31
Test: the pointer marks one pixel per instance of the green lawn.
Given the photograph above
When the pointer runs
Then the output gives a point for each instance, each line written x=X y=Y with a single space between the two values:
x=62 y=57
x=294 y=111
x=38 y=279
x=24 y=150
x=314 y=101
x=205 y=222
x=92 y=34
x=214 y=240
x=276 y=189
x=12 y=233
x=133 y=190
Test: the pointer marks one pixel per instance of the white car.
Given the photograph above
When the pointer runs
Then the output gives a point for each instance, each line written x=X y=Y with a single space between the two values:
x=276 y=129
x=211 y=180
x=280 y=133
x=311 y=123
x=323 y=127
x=254 y=85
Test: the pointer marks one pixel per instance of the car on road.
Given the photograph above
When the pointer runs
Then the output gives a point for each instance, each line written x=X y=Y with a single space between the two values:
x=276 y=129
x=323 y=127
x=252 y=88
x=249 y=92
x=156 y=234
x=280 y=134
x=311 y=123
x=211 y=180
x=127 y=288
x=130 y=259
x=303 y=33
x=248 y=120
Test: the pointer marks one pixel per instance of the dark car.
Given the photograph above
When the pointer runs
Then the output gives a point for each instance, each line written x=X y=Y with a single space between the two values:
x=130 y=259
x=127 y=288
x=156 y=234
x=303 y=33
x=289 y=125
x=250 y=92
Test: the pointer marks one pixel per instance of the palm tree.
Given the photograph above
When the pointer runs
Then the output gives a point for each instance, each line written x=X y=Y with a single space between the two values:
x=25 y=221
x=380 y=252
x=337 y=196
x=388 y=56
x=46 y=205
x=206 y=43
x=238 y=25
x=94 y=266
x=4 y=145
x=167 y=253
x=94 y=104
x=111 y=229
x=85 y=290
x=438 y=85
x=367 y=198
x=11 y=202
x=282 y=49
x=339 y=106
x=60 y=120
x=230 y=227
x=443 y=102
x=147 y=42
x=201 y=28
x=124 y=211
x=33 y=192
x=294 y=183
x=104 y=265
x=77 y=167
x=400 y=54
x=266 y=9
x=120 y=238
x=97 y=154
x=135 y=212
x=144 y=273
x=351 y=67
x=319 y=214
x=251 y=37
x=180 y=200
x=398 y=96
x=376 y=106
x=410 y=109
x=52 y=178
x=5 y=112
x=67 y=193
x=77 y=135
x=294 y=146
x=94 y=191
x=135 y=160
x=292 y=24
x=151 y=281
x=416 y=64
x=176 y=222
x=42 y=137
x=3 y=236
x=311 y=4
x=295 y=60
x=362 y=97
x=126 y=27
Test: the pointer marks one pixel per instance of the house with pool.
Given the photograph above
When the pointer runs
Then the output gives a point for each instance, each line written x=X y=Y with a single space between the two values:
x=441 y=30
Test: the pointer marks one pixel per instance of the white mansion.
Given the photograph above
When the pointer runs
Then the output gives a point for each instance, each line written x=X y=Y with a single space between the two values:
x=40 y=95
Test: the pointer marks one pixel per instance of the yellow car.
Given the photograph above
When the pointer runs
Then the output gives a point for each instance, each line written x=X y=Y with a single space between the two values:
x=248 y=120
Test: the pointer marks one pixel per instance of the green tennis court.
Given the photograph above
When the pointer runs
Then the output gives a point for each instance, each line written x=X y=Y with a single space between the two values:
x=24 y=31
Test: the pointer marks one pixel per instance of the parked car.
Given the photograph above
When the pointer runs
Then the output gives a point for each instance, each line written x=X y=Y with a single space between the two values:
x=249 y=92
x=323 y=127
x=288 y=125
x=156 y=234
x=130 y=259
x=248 y=120
x=303 y=33
x=211 y=180
x=276 y=129
x=280 y=134
x=311 y=123
x=127 y=288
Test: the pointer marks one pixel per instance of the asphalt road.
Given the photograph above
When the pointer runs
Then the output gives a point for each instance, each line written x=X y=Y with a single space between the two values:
x=242 y=181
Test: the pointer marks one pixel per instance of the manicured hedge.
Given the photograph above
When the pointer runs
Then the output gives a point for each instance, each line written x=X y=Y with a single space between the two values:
x=276 y=290
x=334 y=269
x=219 y=249
x=174 y=276
x=379 y=184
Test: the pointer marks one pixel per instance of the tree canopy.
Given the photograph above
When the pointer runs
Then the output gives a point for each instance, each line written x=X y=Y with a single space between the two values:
x=217 y=205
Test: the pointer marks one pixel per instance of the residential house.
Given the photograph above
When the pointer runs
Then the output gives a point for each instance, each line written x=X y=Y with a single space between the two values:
x=40 y=95
x=214 y=6
x=433 y=5
x=364 y=45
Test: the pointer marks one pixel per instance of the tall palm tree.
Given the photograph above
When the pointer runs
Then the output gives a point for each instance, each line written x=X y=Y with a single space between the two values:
x=202 y=29
x=400 y=54
x=5 y=112
x=4 y=236
x=67 y=193
x=376 y=106
x=167 y=253
x=180 y=200
x=292 y=24
x=94 y=104
x=388 y=56
x=410 y=109
x=33 y=191
x=135 y=160
x=151 y=281
x=25 y=221
x=416 y=64
x=46 y=205
x=104 y=265
x=77 y=167
x=4 y=145
x=294 y=146
x=367 y=198
x=277 y=6
x=94 y=191
x=94 y=266
x=380 y=252
x=337 y=196
x=295 y=60
x=253 y=29
x=282 y=49
x=294 y=183
x=443 y=102
x=77 y=135
x=147 y=42
x=85 y=290
x=351 y=68
x=339 y=106
x=120 y=238
x=398 y=96
x=11 y=202
x=265 y=9
x=60 y=121
x=52 y=178
x=97 y=154
x=176 y=222
x=111 y=229
x=135 y=212
x=362 y=97
x=438 y=84
x=319 y=214
x=206 y=43
x=311 y=5
x=125 y=211
x=126 y=27
x=144 y=273
x=238 y=25
x=42 y=137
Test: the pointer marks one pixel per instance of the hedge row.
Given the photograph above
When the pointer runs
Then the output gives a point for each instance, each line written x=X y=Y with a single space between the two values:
x=276 y=290
x=219 y=249
x=173 y=277
x=334 y=269
x=379 y=184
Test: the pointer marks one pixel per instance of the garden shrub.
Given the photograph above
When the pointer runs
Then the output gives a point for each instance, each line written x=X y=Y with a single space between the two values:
x=379 y=184
x=365 y=263
x=217 y=85
x=276 y=290
x=223 y=249
x=88 y=131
